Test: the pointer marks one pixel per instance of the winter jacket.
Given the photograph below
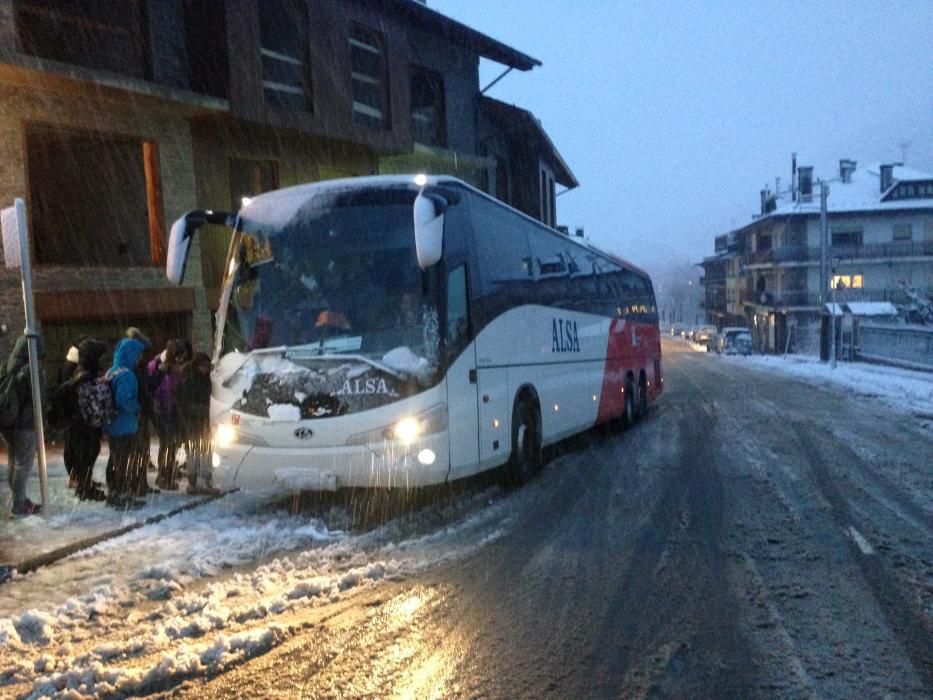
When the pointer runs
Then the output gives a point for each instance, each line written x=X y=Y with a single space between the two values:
x=193 y=398
x=166 y=386
x=65 y=396
x=18 y=364
x=125 y=387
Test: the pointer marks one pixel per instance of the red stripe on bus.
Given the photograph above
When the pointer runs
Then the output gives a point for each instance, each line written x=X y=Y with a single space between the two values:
x=622 y=357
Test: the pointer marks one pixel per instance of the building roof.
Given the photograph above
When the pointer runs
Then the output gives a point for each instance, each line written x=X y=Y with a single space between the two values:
x=457 y=33
x=862 y=194
x=862 y=308
x=512 y=119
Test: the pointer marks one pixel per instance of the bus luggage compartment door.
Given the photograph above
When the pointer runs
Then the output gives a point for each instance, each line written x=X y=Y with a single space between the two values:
x=461 y=411
x=495 y=424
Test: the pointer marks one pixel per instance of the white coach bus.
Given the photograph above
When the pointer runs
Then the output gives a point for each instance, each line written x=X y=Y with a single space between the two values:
x=406 y=331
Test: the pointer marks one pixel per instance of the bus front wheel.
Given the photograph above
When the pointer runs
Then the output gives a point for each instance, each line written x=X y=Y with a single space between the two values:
x=525 y=459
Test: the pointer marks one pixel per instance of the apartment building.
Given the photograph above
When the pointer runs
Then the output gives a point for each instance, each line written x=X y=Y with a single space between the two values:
x=768 y=274
x=117 y=117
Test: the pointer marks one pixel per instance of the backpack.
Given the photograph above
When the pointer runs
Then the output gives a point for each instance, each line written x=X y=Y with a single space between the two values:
x=9 y=400
x=96 y=403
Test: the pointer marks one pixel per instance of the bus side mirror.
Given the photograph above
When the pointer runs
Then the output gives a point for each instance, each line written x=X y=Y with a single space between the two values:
x=429 y=228
x=179 y=240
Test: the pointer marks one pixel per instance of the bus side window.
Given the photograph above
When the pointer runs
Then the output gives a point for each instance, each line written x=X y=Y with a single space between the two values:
x=458 y=316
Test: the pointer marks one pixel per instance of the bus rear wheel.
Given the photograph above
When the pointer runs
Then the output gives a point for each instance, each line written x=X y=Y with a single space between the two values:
x=526 y=458
x=628 y=415
x=642 y=407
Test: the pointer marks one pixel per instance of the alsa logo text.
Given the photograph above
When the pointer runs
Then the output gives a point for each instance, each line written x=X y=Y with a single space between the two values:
x=564 y=336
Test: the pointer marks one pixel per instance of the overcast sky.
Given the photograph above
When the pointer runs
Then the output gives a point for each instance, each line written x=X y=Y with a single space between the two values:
x=673 y=115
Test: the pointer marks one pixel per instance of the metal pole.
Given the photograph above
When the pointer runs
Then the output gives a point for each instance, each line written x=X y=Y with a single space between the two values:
x=32 y=345
x=832 y=303
x=824 y=241
x=824 y=258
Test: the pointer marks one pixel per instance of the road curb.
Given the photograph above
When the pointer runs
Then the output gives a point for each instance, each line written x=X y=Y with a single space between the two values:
x=29 y=565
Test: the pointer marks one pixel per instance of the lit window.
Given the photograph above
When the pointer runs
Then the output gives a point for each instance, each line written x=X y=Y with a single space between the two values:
x=841 y=282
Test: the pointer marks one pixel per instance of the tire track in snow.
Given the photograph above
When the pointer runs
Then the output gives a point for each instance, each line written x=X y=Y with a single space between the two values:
x=906 y=622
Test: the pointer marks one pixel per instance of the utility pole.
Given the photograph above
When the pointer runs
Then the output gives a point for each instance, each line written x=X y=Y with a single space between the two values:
x=832 y=305
x=824 y=242
x=16 y=254
x=826 y=280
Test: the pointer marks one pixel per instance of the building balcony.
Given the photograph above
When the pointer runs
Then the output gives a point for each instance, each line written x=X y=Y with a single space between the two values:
x=804 y=297
x=792 y=254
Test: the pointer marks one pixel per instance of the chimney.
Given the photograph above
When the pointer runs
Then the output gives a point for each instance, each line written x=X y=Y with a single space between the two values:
x=564 y=230
x=887 y=177
x=846 y=168
x=579 y=232
x=805 y=182
x=764 y=202
x=793 y=177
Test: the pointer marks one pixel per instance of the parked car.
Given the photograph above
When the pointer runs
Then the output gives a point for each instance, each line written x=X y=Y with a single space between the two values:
x=743 y=343
x=677 y=329
x=727 y=337
x=703 y=335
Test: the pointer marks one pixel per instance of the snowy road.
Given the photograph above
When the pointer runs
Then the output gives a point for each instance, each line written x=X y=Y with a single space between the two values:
x=754 y=537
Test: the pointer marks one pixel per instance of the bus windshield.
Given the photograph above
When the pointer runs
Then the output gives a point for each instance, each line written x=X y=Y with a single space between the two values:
x=339 y=279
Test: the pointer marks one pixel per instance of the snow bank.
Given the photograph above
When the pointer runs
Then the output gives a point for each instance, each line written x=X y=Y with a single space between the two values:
x=904 y=389
x=204 y=589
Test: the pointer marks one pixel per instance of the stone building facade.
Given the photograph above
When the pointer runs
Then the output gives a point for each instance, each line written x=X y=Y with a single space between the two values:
x=115 y=119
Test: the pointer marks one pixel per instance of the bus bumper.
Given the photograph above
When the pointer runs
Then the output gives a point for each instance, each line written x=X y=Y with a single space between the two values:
x=389 y=465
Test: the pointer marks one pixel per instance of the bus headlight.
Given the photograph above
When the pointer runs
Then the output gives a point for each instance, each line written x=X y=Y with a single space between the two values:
x=225 y=435
x=407 y=430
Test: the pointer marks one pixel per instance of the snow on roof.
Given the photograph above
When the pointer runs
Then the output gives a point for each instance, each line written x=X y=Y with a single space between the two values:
x=872 y=308
x=863 y=193
x=862 y=308
x=273 y=210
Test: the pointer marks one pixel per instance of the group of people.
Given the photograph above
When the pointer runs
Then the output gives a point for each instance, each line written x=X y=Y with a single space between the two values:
x=171 y=391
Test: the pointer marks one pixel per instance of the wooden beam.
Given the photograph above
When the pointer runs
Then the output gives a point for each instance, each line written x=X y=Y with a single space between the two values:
x=154 y=202
x=87 y=304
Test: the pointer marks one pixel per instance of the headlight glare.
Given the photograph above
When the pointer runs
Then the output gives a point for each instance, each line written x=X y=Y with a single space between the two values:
x=407 y=430
x=225 y=435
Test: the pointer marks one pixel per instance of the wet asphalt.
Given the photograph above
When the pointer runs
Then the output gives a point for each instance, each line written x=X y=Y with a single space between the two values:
x=752 y=537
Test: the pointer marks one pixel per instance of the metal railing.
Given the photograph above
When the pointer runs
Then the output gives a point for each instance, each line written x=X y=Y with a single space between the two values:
x=793 y=253
x=805 y=297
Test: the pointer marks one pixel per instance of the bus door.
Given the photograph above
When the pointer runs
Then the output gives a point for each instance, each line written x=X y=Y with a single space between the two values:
x=461 y=374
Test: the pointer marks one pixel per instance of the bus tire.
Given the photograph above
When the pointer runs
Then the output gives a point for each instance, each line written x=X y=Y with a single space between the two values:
x=628 y=411
x=642 y=406
x=526 y=457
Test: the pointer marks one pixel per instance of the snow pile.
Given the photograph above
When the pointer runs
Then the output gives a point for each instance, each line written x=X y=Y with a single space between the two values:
x=407 y=363
x=203 y=590
x=903 y=389
x=284 y=412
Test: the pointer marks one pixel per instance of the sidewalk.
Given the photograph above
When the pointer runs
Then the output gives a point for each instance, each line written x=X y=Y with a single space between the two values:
x=71 y=520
